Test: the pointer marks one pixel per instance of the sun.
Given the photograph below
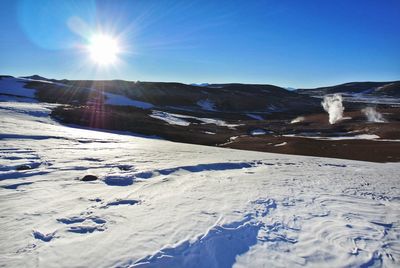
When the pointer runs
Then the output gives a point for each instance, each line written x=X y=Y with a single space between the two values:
x=103 y=49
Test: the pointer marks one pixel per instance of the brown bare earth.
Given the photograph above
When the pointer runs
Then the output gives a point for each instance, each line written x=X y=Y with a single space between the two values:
x=280 y=132
x=365 y=150
x=384 y=149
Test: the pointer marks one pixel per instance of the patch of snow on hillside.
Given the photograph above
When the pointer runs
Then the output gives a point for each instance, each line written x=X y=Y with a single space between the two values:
x=15 y=86
x=356 y=137
x=43 y=81
x=114 y=99
x=280 y=144
x=255 y=116
x=336 y=138
x=258 y=131
x=204 y=120
x=217 y=122
x=206 y=105
x=169 y=118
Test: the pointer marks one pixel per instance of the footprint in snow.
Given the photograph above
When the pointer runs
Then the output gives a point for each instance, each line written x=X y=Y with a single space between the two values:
x=85 y=229
x=73 y=220
x=116 y=180
x=28 y=166
x=88 y=224
x=125 y=167
x=128 y=202
x=44 y=237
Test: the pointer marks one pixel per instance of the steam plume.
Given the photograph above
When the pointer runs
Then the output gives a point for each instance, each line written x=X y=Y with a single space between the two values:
x=333 y=105
x=297 y=120
x=373 y=115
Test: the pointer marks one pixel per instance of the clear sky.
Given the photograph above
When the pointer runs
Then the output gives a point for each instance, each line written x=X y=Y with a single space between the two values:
x=290 y=43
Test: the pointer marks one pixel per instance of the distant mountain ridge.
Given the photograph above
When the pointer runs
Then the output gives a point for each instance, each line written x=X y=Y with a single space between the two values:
x=391 y=89
x=36 y=77
x=227 y=98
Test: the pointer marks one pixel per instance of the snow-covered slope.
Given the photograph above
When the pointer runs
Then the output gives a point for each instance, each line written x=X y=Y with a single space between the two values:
x=115 y=99
x=15 y=86
x=164 y=204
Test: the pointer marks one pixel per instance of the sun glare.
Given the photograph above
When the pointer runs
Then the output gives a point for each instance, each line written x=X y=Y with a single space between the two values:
x=103 y=49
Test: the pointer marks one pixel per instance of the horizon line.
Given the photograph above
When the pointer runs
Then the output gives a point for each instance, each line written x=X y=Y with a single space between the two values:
x=210 y=83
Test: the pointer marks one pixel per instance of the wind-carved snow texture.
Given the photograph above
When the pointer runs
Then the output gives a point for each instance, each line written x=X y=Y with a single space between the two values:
x=218 y=247
x=196 y=168
x=163 y=204
x=372 y=115
x=333 y=105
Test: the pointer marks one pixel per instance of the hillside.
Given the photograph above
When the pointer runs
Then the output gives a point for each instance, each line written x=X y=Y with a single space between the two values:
x=250 y=117
x=382 y=89
x=225 y=98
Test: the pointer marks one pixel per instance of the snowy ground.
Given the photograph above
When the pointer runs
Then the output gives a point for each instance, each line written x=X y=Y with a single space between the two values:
x=180 y=119
x=15 y=86
x=164 y=204
x=115 y=99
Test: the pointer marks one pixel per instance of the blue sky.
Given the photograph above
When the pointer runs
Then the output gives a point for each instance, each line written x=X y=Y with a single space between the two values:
x=288 y=43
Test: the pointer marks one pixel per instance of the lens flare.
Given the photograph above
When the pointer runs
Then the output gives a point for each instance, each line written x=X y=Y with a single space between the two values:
x=103 y=49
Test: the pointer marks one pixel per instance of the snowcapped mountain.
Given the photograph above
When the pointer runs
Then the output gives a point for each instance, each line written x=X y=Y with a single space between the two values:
x=75 y=197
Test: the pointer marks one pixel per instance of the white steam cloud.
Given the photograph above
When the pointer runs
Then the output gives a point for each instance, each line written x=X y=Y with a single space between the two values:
x=372 y=115
x=297 y=120
x=333 y=105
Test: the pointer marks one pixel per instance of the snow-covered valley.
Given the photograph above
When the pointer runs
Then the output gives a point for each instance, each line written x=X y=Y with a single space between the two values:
x=162 y=204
